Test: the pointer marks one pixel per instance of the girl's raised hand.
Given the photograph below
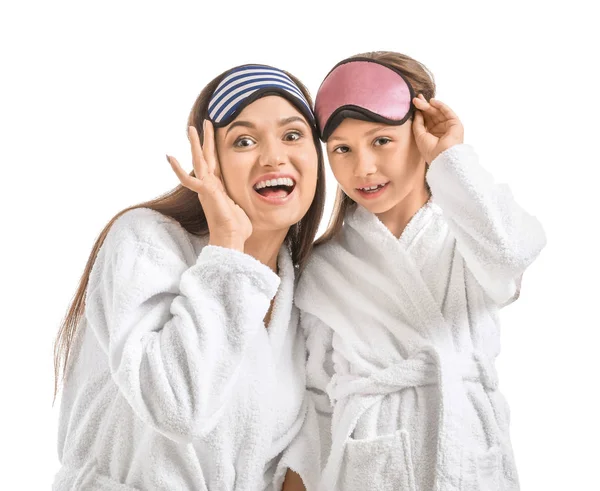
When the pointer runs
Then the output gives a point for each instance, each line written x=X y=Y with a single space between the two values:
x=228 y=224
x=436 y=127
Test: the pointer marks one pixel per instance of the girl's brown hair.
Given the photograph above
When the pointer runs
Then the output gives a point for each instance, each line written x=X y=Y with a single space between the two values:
x=184 y=206
x=422 y=82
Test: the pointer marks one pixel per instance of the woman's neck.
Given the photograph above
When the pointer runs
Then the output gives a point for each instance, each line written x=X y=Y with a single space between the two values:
x=265 y=245
x=396 y=219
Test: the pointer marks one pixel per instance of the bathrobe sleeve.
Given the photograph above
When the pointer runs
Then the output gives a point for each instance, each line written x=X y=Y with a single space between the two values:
x=174 y=325
x=496 y=237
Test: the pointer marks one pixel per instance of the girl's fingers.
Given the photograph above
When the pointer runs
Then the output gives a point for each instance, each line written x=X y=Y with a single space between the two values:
x=427 y=111
x=419 y=125
x=443 y=108
x=419 y=103
x=209 y=151
x=424 y=106
x=200 y=165
x=432 y=113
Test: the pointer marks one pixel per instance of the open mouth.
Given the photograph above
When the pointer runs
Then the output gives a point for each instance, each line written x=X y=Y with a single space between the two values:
x=371 y=192
x=279 y=188
x=372 y=189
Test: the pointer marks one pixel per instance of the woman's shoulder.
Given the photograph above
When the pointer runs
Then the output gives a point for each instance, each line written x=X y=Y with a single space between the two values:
x=151 y=228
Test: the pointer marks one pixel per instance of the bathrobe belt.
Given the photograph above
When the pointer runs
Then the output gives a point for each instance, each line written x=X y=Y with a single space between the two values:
x=429 y=367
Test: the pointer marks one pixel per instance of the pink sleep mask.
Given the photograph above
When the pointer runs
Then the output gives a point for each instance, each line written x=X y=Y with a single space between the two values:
x=366 y=89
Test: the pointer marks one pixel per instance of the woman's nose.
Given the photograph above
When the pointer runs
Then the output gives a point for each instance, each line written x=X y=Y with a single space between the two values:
x=272 y=154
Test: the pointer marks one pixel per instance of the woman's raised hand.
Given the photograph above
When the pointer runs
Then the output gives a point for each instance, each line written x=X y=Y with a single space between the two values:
x=228 y=224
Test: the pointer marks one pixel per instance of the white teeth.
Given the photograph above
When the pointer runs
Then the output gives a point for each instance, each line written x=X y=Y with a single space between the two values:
x=282 y=181
x=372 y=187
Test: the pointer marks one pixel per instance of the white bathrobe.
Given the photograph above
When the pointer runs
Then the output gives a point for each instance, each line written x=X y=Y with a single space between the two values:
x=402 y=336
x=174 y=382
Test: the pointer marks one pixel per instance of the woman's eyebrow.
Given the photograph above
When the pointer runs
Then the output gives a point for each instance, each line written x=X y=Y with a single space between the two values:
x=292 y=119
x=282 y=122
x=246 y=124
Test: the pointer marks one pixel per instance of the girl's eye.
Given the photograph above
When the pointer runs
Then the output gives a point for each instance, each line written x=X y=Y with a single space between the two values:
x=292 y=136
x=341 y=149
x=382 y=140
x=243 y=142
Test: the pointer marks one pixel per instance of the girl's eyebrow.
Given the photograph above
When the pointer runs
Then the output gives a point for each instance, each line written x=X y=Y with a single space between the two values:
x=376 y=129
x=368 y=133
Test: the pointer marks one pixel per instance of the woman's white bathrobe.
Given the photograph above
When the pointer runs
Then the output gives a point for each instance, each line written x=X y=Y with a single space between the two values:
x=175 y=384
x=402 y=335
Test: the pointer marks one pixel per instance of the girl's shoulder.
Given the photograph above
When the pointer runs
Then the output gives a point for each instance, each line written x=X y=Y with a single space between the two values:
x=322 y=255
x=327 y=248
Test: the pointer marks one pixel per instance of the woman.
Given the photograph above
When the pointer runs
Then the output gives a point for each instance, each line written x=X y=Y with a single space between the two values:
x=184 y=366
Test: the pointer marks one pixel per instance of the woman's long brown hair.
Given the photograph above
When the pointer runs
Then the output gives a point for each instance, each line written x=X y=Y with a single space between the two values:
x=184 y=206
x=422 y=82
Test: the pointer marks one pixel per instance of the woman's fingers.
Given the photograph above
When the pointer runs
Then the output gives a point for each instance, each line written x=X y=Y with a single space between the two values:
x=185 y=179
x=200 y=165
x=210 y=189
x=209 y=150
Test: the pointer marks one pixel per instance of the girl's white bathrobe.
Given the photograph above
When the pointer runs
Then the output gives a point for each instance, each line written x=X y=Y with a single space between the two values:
x=175 y=384
x=402 y=335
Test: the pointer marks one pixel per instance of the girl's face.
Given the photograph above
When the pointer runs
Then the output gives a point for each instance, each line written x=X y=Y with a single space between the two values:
x=377 y=165
x=269 y=163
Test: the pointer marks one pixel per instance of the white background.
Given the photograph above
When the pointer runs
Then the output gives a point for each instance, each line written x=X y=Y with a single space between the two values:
x=93 y=94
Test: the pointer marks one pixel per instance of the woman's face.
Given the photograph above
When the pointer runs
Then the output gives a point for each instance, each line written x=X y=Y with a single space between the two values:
x=377 y=165
x=269 y=163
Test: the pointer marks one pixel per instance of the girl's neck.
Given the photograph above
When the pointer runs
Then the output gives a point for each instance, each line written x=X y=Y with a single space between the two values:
x=265 y=245
x=396 y=219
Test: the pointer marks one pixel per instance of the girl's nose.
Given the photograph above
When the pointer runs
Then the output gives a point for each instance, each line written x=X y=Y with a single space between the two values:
x=366 y=165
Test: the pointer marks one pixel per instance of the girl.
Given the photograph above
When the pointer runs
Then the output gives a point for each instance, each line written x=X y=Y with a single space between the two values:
x=400 y=300
x=184 y=364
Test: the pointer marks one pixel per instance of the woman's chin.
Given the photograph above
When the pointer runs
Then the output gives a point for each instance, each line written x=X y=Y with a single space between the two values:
x=276 y=221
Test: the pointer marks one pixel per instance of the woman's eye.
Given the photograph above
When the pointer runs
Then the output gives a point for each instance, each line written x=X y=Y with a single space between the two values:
x=382 y=141
x=293 y=136
x=243 y=142
x=341 y=149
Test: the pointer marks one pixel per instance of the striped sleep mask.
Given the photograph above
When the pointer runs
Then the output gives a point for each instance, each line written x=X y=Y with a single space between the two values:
x=365 y=89
x=245 y=84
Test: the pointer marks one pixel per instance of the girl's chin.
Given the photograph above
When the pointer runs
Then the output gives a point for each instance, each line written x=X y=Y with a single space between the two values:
x=376 y=207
